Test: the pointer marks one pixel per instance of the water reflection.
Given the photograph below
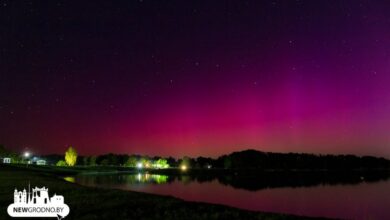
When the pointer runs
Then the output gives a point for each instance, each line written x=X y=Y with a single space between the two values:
x=298 y=179
x=149 y=178
x=261 y=181
x=140 y=178
x=70 y=179
x=353 y=195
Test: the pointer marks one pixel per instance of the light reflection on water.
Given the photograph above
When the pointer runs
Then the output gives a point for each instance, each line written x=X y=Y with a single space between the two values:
x=140 y=178
x=70 y=179
x=150 y=178
x=353 y=198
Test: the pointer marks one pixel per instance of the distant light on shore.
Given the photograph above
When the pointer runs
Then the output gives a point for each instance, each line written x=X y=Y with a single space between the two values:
x=183 y=167
x=26 y=154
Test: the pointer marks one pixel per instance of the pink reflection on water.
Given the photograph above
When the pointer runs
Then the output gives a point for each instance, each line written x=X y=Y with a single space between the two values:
x=363 y=201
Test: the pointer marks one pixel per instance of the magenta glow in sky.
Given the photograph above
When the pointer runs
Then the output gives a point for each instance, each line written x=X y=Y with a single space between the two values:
x=196 y=78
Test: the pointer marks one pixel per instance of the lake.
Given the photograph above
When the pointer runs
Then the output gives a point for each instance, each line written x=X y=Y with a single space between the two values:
x=341 y=195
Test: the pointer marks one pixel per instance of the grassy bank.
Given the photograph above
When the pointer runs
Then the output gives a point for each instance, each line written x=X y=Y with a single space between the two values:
x=97 y=203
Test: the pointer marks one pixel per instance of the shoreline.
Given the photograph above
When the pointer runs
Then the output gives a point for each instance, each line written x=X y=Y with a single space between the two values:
x=249 y=179
x=99 y=203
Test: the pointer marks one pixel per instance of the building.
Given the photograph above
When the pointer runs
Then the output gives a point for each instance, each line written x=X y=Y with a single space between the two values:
x=41 y=162
x=6 y=160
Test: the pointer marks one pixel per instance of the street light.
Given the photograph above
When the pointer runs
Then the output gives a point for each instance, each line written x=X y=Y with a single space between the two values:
x=26 y=154
x=183 y=167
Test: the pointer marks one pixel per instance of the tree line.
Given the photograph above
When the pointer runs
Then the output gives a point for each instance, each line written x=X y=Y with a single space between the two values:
x=247 y=159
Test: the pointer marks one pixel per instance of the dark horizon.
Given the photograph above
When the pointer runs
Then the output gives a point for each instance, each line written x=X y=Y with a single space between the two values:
x=195 y=77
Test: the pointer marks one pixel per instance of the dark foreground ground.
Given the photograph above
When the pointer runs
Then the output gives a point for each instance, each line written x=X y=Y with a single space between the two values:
x=97 y=203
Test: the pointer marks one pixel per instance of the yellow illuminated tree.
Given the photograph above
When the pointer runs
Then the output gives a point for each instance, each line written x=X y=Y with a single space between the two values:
x=71 y=156
x=161 y=163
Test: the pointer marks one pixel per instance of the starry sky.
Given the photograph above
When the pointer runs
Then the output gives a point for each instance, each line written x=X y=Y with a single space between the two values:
x=195 y=77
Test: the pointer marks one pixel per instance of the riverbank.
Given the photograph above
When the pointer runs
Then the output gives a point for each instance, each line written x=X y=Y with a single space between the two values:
x=97 y=203
x=248 y=179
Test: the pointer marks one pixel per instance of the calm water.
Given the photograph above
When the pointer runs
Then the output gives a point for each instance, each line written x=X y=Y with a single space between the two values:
x=361 y=197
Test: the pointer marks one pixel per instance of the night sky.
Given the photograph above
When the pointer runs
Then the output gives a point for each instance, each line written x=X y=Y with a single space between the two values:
x=195 y=77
